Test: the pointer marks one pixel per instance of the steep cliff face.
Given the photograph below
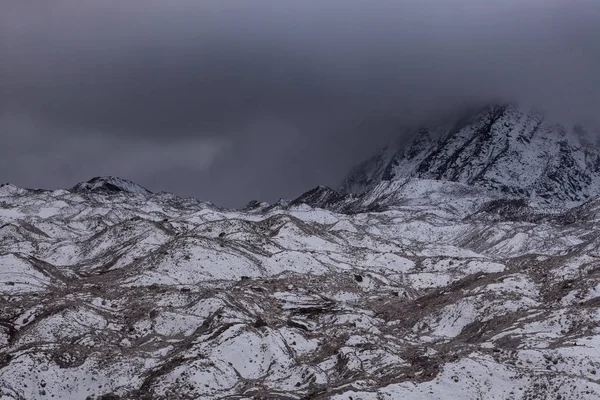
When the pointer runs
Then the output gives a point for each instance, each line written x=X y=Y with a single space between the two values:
x=501 y=148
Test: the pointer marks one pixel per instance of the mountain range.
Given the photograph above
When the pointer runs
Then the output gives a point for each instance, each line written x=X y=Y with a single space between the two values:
x=464 y=265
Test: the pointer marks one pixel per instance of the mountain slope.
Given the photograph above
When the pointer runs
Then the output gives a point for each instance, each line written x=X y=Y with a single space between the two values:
x=450 y=291
x=501 y=148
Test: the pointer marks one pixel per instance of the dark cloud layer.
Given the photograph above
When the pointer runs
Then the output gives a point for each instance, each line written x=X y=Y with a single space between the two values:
x=234 y=100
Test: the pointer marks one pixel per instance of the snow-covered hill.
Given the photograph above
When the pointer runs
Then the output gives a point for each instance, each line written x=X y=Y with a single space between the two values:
x=424 y=289
x=111 y=184
x=502 y=148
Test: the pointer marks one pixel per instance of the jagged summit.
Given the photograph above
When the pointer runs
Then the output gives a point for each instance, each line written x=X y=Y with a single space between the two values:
x=502 y=148
x=321 y=196
x=110 y=184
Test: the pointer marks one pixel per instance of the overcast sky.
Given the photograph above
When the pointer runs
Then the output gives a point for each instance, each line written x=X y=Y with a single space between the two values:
x=235 y=100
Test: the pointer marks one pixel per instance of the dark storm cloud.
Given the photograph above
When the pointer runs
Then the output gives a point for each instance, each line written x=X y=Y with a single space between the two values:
x=232 y=100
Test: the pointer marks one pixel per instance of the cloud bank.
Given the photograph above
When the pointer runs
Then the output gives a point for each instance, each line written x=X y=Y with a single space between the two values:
x=230 y=101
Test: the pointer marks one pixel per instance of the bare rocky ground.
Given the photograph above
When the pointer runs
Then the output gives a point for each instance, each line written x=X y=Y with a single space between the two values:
x=440 y=292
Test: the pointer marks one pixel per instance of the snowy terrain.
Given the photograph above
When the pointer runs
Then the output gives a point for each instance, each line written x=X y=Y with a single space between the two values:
x=434 y=290
x=464 y=266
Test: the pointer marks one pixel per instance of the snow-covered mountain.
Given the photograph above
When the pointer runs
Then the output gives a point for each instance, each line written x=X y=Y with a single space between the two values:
x=419 y=289
x=501 y=148
x=111 y=184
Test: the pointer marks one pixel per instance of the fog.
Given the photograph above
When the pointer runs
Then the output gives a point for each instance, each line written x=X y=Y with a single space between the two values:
x=235 y=100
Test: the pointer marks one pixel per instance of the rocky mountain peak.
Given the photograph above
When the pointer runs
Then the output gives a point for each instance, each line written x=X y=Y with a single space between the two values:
x=502 y=148
x=111 y=184
x=321 y=196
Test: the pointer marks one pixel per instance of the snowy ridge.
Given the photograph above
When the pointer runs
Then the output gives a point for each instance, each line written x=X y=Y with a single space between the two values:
x=388 y=195
x=501 y=148
x=111 y=184
x=442 y=290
